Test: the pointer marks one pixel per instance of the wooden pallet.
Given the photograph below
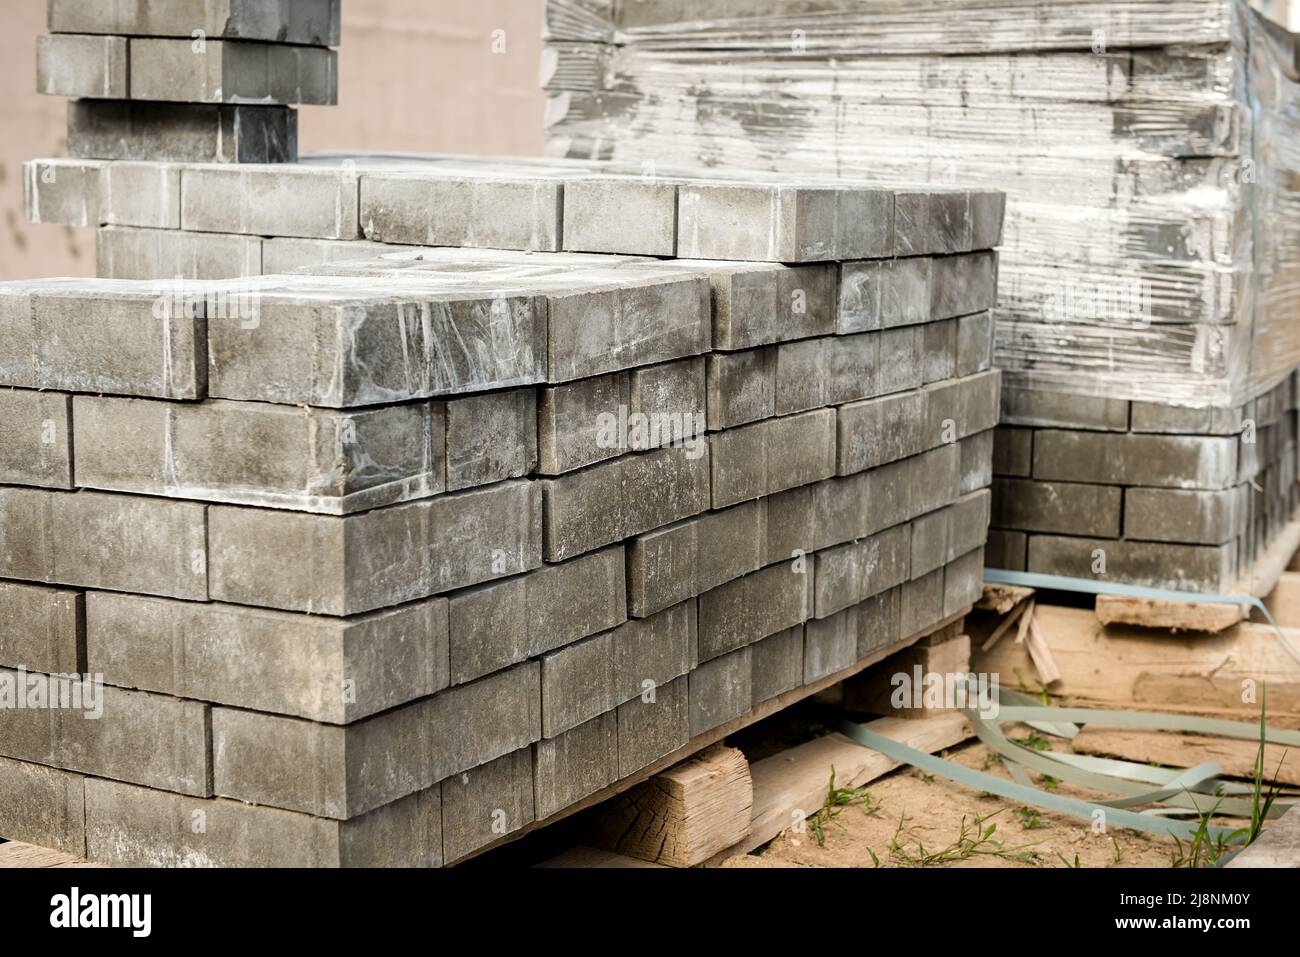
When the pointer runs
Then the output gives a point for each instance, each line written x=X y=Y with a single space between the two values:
x=1206 y=616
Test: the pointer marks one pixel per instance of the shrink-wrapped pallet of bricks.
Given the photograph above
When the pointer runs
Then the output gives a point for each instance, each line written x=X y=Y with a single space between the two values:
x=506 y=485
x=1148 y=322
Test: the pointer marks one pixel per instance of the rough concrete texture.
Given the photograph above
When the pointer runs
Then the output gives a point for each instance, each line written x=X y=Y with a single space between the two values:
x=485 y=803
x=491 y=438
x=577 y=684
x=281 y=201
x=134 y=827
x=147 y=739
x=36 y=435
x=314 y=22
x=760 y=303
x=1066 y=508
x=578 y=763
x=252 y=453
x=1058 y=410
x=1190 y=517
x=632 y=216
x=43 y=806
x=112 y=542
x=92 y=66
x=327 y=565
x=42 y=629
x=654 y=651
x=124 y=252
x=742 y=612
x=1176 y=567
x=232 y=71
x=772 y=456
x=330 y=670
x=181 y=133
x=496 y=625
x=93 y=336
x=776 y=664
x=830 y=645
x=653 y=724
x=1158 y=461
x=720 y=691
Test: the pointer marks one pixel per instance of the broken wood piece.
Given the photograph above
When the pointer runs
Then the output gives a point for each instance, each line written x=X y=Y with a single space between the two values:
x=1168 y=615
x=1002 y=598
x=1005 y=625
x=1041 y=654
x=1023 y=631
x=682 y=816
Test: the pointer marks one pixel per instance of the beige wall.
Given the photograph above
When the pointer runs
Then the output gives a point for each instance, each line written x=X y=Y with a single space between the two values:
x=414 y=75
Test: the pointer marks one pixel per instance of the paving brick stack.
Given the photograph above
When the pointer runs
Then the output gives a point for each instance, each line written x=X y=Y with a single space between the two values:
x=1148 y=322
x=195 y=80
x=505 y=482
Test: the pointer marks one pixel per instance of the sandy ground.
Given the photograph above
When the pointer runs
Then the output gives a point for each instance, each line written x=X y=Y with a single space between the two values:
x=933 y=810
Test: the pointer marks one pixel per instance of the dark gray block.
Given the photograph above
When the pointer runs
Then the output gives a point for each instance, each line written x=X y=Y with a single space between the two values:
x=486 y=803
x=653 y=725
x=777 y=664
x=1067 y=508
x=42 y=629
x=720 y=691
x=577 y=764
x=181 y=133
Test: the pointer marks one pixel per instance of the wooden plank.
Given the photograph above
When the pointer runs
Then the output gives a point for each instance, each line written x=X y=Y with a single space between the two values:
x=1016 y=614
x=700 y=742
x=1138 y=668
x=791 y=786
x=1283 y=602
x=15 y=854
x=1040 y=653
x=1002 y=598
x=1196 y=616
x=1237 y=758
x=683 y=816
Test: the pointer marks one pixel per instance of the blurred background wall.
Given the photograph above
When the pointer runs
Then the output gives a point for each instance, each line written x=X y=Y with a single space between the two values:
x=414 y=75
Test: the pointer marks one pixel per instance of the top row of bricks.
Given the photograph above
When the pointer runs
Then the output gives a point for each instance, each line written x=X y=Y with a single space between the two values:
x=306 y=22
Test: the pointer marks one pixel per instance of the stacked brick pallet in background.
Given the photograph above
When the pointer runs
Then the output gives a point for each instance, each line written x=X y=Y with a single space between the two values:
x=1148 y=323
x=195 y=80
x=418 y=546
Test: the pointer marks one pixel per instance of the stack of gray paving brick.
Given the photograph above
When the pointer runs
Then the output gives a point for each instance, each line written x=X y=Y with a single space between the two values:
x=196 y=80
x=1148 y=321
x=505 y=483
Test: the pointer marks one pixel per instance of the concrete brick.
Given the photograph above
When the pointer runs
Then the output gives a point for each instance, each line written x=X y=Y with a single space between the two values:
x=577 y=684
x=36 y=435
x=937 y=347
x=339 y=352
x=761 y=604
x=974 y=343
x=671 y=564
x=1158 y=461
x=42 y=629
x=912 y=223
x=1191 y=517
x=422 y=210
x=181 y=133
x=860 y=297
x=97 y=193
x=970 y=523
x=635 y=216
x=499 y=624
x=987 y=212
x=671 y=389
x=232 y=71
x=1068 y=508
x=63 y=192
x=90 y=336
x=329 y=565
x=331 y=670
x=280 y=256
x=651 y=726
x=776 y=664
x=880 y=622
x=1013 y=451
x=622 y=498
x=878 y=431
x=43 y=806
x=900 y=360
x=963 y=582
x=849 y=574
x=931 y=537
x=111 y=542
x=491 y=438
x=720 y=691
x=772 y=456
x=783 y=224
x=252 y=453
x=577 y=764
x=922 y=603
x=481 y=805
x=654 y=651
x=1058 y=410
x=830 y=645
x=789 y=523
x=977 y=461
x=963 y=285
x=94 y=66
x=140 y=738
x=950 y=222
x=633 y=322
x=852 y=367
x=800 y=376
x=760 y=304
x=313 y=22
x=314 y=202
x=164 y=254
x=1007 y=550
x=133 y=827
x=1176 y=567
x=1177 y=419
x=570 y=424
